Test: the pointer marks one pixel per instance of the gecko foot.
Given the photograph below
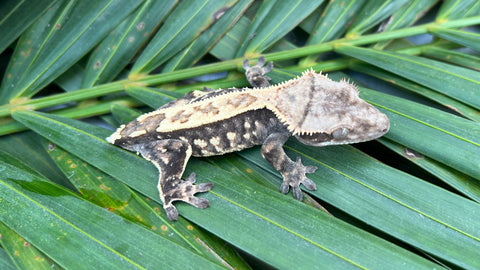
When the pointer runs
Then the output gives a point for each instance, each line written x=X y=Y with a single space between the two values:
x=296 y=176
x=184 y=190
x=256 y=74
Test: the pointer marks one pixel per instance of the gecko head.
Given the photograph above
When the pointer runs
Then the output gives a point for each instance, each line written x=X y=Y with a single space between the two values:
x=323 y=112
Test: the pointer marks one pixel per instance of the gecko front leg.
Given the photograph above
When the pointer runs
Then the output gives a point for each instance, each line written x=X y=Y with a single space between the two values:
x=293 y=172
x=170 y=157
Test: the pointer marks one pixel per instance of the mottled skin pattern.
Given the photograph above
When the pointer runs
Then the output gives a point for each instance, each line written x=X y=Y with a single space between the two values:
x=314 y=109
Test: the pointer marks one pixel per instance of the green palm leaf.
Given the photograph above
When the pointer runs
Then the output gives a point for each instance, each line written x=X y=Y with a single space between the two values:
x=70 y=200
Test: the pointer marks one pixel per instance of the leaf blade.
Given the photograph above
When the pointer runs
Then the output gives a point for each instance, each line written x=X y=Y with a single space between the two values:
x=454 y=81
x=66 y=219
x=238 y=207
x=182 y=26
x=59 y=43
x=17 y=16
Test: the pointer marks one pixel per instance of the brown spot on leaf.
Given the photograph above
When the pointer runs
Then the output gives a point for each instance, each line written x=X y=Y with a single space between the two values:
x=219 y=13
x=51 y=146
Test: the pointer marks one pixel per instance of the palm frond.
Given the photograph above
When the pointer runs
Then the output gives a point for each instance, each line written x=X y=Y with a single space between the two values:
x=70 y=200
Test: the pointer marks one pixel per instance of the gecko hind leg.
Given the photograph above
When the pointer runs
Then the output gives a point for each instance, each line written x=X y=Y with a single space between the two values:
x=293 y=172
x=170 y=157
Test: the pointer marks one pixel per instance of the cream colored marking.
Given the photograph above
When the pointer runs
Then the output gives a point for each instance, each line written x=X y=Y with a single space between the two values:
x=231 y=136
x=215 y=141
x=247 y=125
x=205 y=152
x=115 y=136
x=200 y=143
x=165 y=159
x=183 y=139
x=137 y=133
x=246 y=136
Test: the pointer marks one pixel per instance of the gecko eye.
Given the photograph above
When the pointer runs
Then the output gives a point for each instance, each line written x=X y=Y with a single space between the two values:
x=340 y=133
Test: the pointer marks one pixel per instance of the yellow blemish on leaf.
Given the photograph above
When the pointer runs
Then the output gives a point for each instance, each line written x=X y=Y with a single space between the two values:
x=38 y=258
x=190 y=227
x=102 y=186
x=136 y=76
x=19 y=100
x=73 y=165
x=164 y=228
x=249 y=170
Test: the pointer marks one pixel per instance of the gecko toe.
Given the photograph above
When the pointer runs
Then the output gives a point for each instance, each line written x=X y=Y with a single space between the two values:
x=297 y=193
x=309 y=184
x=192 y=178
x=285 y=187
x=310 y=169
x=172 y=212
x=203 y=187
x=199 y=202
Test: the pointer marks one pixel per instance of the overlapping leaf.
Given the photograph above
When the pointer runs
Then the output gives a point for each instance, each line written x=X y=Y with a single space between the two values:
x=446 y=101
x=334 y=21
x=251 y=216
x=115 y=51
x=272 y=21
x=22 y=252
x=5 y=262
x=405 y=16
x=59 y=39
x=373 y=13
x=183 y=25
x=454 y=9
x=454 y=81
x=447 y=138
x=316 y=241
x=106 y=192
x=207 y=39
x=60 y=224
x=463 y=183
x=16 y=16
x=455 y=57
x=468 y=39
